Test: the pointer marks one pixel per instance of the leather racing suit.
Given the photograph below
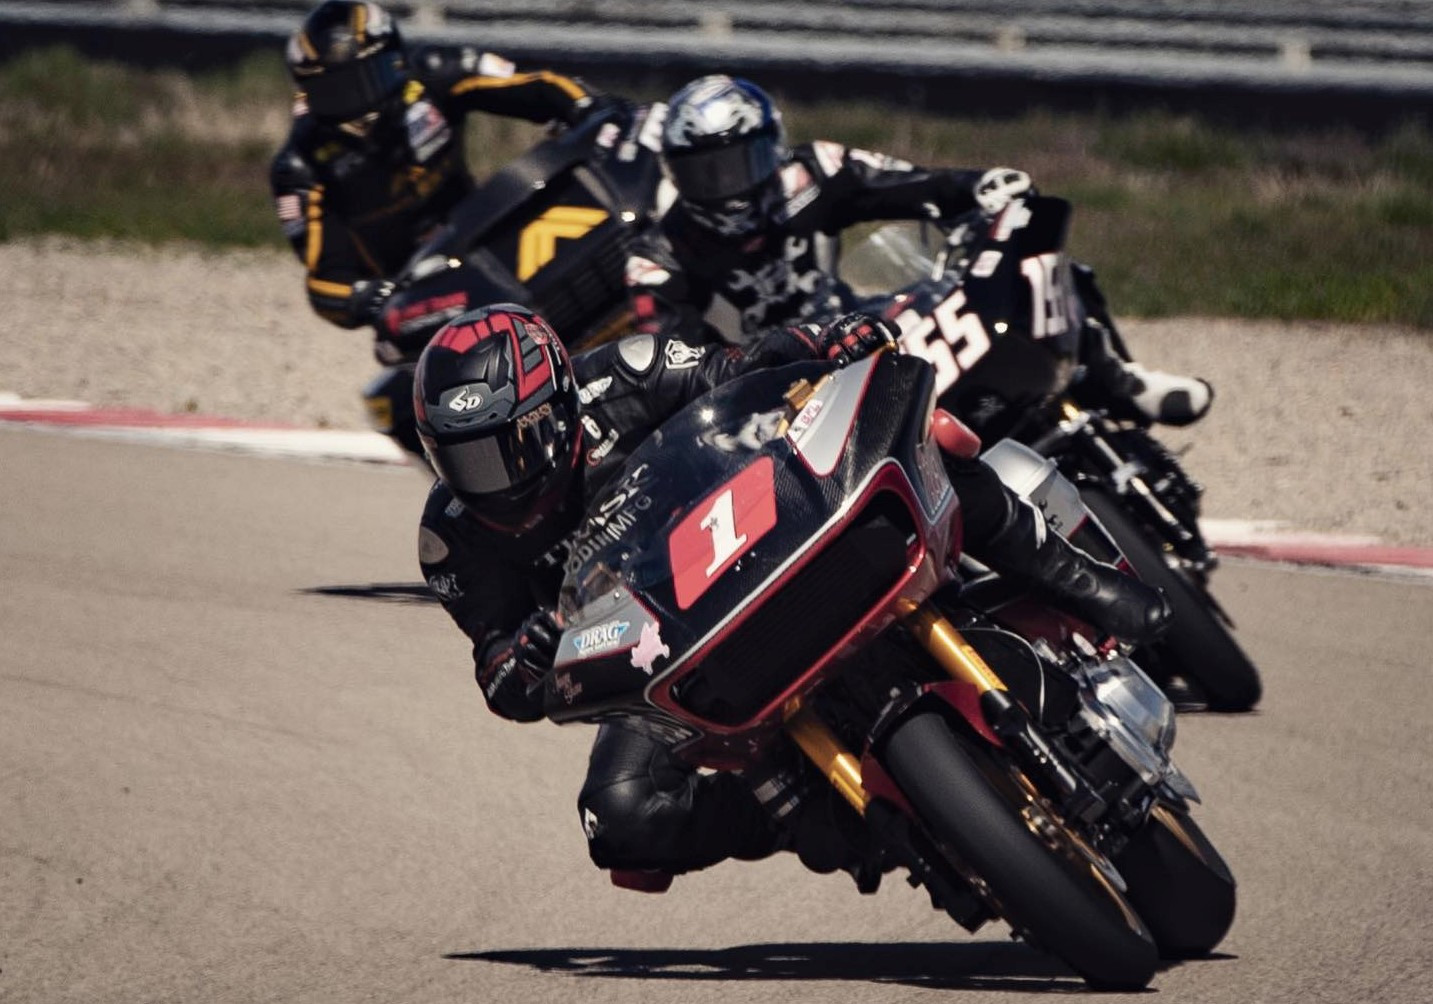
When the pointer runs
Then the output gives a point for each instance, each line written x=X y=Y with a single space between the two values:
x=355 y=207
x=684 y=277
x=640 y=807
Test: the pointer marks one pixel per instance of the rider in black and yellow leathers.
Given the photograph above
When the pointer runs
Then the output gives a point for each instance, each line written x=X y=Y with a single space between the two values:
x=374 y=161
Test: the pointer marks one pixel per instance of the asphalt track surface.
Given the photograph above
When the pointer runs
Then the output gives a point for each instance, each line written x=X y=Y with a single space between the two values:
x=242 y=760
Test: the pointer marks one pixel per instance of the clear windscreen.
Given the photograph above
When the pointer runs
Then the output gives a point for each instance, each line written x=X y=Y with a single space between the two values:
x=891 y=256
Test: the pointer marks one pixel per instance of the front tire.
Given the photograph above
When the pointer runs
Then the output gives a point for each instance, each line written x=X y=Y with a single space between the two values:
x=969 y=803
x=1179 y=884
x=1197 y=645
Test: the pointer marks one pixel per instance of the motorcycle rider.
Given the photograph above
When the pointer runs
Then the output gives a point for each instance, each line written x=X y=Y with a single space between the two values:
x=374 y=160
x=522 y=438
x=753 y=237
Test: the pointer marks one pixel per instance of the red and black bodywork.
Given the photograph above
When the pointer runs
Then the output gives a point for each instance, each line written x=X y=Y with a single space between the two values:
x=780 y=560
x=759 y=543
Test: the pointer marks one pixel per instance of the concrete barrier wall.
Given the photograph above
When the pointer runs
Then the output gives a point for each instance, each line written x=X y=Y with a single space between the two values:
x=1362 y=60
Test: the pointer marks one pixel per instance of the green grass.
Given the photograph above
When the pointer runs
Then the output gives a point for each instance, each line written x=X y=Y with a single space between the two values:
x=1177 y=216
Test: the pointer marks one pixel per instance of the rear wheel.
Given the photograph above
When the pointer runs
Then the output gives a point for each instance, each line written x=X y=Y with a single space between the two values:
x=1051 y=886
x=1197 y=645
x=1179 y=884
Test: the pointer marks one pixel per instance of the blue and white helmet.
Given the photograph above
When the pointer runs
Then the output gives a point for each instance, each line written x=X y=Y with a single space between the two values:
x=722 y=143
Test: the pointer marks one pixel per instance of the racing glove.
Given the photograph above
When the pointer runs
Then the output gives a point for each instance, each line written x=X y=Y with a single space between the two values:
x=856 y=336
x=510 y=676
x=368 y=299
x=998 y=186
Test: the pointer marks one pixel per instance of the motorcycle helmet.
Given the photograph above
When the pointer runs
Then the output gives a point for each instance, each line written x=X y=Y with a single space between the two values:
x=348 y=60
x=497 y=412
x=722 y=146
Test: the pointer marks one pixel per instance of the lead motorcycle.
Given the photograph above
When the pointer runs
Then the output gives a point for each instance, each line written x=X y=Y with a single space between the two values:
x=997 y=307
x=777 y=570
x=549 y=230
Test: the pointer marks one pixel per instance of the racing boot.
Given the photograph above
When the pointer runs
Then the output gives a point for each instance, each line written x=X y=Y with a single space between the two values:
x=1132 y=391
x=1097 y=593
x=819 y=826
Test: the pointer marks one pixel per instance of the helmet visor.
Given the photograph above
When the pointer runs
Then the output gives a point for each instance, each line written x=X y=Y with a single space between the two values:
x=511 y=460
x=725 y=171
x=352 y=90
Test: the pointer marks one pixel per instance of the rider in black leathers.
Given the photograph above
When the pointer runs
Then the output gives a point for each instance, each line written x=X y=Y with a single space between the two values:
x=753 y=237
x=374 y=162
x=523 y=439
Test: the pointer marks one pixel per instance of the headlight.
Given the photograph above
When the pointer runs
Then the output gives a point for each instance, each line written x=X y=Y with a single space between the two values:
x=1141 y=707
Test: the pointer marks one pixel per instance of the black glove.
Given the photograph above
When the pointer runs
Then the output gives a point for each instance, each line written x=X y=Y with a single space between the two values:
x=605 y=105
x=856 y=336
x=368 y=299
x=511 y=674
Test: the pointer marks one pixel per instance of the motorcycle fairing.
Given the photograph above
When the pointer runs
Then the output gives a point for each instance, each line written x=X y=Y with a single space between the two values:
x=870 y=510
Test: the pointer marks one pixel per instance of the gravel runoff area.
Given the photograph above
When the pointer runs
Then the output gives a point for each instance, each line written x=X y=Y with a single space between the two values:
x=1325 y=427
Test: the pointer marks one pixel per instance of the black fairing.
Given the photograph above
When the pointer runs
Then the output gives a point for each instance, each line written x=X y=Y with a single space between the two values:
x=622 y=575
x=598 y=182
x=1030 y=358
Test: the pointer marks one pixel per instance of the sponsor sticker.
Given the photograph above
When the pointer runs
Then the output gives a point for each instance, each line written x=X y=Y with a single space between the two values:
x=590 y=392
x=985 y=265
x=681 y=356
x=602 y=638
x=445 y=587
x=650 y=648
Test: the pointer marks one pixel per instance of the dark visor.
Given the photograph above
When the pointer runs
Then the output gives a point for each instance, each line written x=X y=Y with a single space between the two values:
x=353 y=90
x=724 y=172
x=513 y=457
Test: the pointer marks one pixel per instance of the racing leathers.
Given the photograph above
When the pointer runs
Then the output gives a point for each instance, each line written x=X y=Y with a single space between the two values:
x=355 y=200
x=690 y=279
x=640 y=807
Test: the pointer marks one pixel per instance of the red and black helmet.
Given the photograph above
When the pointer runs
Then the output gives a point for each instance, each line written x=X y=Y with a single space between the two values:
x=348 y=59
x=497 y=412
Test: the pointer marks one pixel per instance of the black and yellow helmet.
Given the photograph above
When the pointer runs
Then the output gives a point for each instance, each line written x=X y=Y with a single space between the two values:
x=347 y=58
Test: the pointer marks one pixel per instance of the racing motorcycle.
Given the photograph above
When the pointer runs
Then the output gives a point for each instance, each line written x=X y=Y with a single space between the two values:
x=775 y=574
x=997 y=308
x=549 y=230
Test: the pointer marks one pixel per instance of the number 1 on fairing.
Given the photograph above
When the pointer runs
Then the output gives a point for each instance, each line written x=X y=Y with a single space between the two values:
x=721 y=522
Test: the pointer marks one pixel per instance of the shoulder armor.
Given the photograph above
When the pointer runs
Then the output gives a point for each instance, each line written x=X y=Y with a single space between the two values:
x=638 y=352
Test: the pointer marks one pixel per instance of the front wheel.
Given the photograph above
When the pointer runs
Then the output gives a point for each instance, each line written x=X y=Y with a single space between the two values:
x=1179 y=884
x=1197 y=645
x=1043 y=878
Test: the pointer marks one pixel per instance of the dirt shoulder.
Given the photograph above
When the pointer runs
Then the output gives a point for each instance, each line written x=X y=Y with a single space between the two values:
x=1324 y=426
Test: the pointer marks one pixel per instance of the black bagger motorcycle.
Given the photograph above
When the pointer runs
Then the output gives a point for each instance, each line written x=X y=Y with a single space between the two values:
x=775 y=571
x=549 y=230
x=997 y=308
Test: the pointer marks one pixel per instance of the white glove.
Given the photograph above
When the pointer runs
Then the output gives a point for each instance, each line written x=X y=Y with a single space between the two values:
x=998 y=186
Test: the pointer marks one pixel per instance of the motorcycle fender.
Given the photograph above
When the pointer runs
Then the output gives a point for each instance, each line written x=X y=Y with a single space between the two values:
x=878 y=784
x=957 y=695
x=965 y=699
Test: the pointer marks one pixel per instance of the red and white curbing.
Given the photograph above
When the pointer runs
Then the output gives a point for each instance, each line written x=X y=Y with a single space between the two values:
x=1263 y=540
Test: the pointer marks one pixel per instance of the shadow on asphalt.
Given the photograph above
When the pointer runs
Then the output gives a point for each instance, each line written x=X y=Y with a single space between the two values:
x=935 y=965
x=386 y=592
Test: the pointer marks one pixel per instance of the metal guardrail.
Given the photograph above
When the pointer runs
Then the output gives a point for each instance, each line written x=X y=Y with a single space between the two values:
x=1376 y=50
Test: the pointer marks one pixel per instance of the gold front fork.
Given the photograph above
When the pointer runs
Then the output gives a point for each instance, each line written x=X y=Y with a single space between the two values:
x=839 y=765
